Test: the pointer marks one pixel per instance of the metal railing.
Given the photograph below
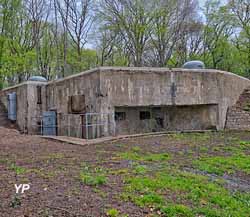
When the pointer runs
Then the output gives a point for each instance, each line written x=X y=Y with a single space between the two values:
x=87 y=125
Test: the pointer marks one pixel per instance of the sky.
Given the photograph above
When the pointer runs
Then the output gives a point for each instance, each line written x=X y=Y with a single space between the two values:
x=201 y=4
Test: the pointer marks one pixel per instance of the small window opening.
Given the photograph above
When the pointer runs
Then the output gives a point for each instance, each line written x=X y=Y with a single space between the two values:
x=120 y=116
x=145 y=115
x=39 y=95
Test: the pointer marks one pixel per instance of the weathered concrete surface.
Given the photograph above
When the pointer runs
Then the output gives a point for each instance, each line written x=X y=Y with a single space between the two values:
x=131 y=87
x=27 y=107
x=59 y=95
x=22 y=109
x=84 y=142
x=177 y=99
x=170 y=118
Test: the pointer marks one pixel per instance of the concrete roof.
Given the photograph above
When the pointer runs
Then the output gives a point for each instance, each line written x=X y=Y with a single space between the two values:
x=24 y=83
x=144 y=69
x=132 y=69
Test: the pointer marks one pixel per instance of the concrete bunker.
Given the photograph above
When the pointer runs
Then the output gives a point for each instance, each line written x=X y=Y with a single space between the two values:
x=110 y=101
x=147 y=119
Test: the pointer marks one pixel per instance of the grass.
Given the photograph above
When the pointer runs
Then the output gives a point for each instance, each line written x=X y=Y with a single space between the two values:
x=246 y=107
x=176 y=210
x=136 y=154
x=221 y=164
x=113 y=213
x=18 y=170
x=173 y=192
x=196 y=194
x=235 y=159
x=161 y=180
x=93 y=177
x=202 y=137
x=140 y=169
x=15 y=202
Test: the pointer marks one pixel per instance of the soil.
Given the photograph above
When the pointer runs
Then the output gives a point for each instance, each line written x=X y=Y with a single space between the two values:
x=53 y=168
x=61 y=194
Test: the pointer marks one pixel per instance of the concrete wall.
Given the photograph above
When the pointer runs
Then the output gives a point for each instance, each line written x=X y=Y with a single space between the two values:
x=58 y=93
x=167 y=118
x=131 y=87
x=22 y=108
x=27 y=107
x=188 y=99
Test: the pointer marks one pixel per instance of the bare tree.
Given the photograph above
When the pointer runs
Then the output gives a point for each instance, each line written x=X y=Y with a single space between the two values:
x=132 y=20
x=195 y=40
x=241 y=12
x=218 y=28
x=106 y=45
x=77 y=21
x=38 y=12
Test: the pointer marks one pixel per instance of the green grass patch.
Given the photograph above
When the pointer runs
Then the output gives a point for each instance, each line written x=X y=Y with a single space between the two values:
x=244 y=145
x=3 y=161
x=198 y=137
x=140 y=169
x=176 y=210
x=93 y=177
x=137 y=155
x=17 y=169
x=224 y=164
x=113 y=213
x=195 y=194
x=246 y=107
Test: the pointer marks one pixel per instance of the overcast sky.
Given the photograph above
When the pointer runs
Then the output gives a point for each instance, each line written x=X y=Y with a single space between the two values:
x=203 y=1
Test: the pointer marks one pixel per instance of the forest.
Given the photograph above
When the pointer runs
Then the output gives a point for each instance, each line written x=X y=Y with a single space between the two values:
x=57 y=38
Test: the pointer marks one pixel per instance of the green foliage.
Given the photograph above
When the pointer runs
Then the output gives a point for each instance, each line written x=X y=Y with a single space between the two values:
x=149 y=199
x=113 y=213
x=245 y=144
x=78 y=64
x=135 y=33
x=94 y=176
x=206 y=197
x=199 y=137
x=15 y=202
x=175 y=210
x=18 y=170
x=224 y=164
x=137 y=155
x=140 y=169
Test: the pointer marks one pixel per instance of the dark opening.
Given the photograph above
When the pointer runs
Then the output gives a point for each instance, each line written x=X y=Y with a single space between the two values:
x=160 y=122
x=120 y=116
x=145 y=115
x=77 y=104
x=39 y=94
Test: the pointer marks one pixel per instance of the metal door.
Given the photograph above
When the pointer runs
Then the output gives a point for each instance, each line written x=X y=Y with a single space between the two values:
x=49 y=123
x=12 y=106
